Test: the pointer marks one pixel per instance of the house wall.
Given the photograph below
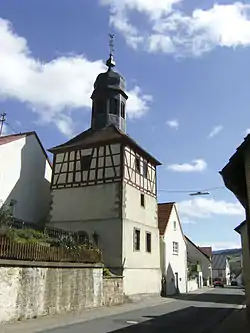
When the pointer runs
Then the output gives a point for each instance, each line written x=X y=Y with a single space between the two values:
x=25 y=176
x=29 y=292
x=194 y=256
x=142 y=272
x=93 y=209
x=246 y=260
x=174 y=263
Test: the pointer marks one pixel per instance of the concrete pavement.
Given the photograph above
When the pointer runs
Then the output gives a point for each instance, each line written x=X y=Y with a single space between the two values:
x=197 y=313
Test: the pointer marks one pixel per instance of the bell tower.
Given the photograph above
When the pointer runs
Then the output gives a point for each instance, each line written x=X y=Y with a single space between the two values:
x=109 y=97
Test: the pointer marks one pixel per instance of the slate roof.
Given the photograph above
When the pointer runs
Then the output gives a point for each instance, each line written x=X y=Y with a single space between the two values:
x=108 y=134
x=164 y=211
x=219 y=261
x=198 y=248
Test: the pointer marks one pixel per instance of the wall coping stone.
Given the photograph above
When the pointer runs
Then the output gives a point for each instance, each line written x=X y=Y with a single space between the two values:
x=23 y=263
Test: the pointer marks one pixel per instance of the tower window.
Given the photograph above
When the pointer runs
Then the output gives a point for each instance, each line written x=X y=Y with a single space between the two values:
x=85 y=162
x=137 y=240
x=123 y=110
x=137 y=164
x=148 y=242
x=113 y=106
x=142 y=200
x=145 y=169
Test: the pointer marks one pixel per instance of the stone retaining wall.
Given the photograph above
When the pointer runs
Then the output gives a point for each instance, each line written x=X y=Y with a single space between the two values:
x=29 y=290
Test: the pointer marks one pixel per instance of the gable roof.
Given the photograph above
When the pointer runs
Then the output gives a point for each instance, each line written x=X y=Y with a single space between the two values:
x=238 y=228
x=219 y=261
x=197 y=247
x=164 y=211
x=207 y=250
x=108 y=134
x=14 y=137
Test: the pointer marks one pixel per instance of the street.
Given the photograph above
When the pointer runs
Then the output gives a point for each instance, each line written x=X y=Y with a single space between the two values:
x=200 y=313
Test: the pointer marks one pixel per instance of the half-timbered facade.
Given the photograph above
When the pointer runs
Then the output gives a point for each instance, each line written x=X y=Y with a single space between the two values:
x=105 y=184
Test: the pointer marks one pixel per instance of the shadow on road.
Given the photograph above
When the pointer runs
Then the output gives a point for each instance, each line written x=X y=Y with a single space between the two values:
x=190 y=319
x=213 y=298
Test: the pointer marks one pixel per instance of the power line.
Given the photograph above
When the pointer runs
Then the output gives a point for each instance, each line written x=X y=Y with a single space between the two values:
x=191 y=191
x=12 y=128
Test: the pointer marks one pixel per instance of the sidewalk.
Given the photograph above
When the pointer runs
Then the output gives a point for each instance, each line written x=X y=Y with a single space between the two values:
x=52 y=322
x=235 y=323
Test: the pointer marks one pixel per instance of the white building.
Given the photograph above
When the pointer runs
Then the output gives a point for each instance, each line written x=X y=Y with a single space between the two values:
x=221 y=267
x=25 y=174
x=105 y=184
x=173 y=250
x=201 y=264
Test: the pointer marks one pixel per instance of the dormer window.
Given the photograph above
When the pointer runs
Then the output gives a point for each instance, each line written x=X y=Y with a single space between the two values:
x=123 y=110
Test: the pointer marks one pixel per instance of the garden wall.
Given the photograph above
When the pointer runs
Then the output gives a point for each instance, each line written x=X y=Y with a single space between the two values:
x=29 y=290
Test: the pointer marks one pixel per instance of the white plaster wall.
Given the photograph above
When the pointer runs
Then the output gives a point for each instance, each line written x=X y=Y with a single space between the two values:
x=141 y=281
x=86 y=203
x=175 y=263
x=132 y=209
x=192 y=285
x=142 y=269
x=109 y=237
x=25 y=177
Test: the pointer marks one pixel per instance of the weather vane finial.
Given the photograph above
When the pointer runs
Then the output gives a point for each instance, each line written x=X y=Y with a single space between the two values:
x=110 y=62
x=111 y=44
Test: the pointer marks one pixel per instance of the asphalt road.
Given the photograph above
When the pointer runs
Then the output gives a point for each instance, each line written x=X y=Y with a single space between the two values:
x=190 y=313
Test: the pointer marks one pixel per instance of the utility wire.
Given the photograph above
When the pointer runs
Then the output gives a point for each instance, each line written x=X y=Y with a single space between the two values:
x=12 y=128
x=191 y=191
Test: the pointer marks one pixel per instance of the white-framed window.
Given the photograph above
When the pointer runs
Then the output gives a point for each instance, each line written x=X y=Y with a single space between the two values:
x=175 y=225
x=175 y=247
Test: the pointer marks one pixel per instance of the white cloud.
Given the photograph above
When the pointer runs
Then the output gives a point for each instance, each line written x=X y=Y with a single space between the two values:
x=215 y=131
x=206 y=208
x=186 y=220
x=247 y=131
x=197 y=165
x=170 y=30
x=222 y=245
x=53 y=89
x=173 y=123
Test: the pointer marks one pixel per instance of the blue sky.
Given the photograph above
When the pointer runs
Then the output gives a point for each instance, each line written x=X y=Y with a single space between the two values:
x=186 y=66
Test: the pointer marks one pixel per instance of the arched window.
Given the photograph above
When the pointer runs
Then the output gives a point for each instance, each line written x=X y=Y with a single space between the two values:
x=123 y=110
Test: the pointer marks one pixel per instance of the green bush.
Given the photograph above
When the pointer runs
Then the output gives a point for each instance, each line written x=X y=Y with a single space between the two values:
x=5 y=215
x=27 y=236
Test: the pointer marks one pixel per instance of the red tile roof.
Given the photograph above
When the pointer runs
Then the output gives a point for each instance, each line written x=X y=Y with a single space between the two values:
x=164 y=211
x=13 y=137
x=207 y=250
